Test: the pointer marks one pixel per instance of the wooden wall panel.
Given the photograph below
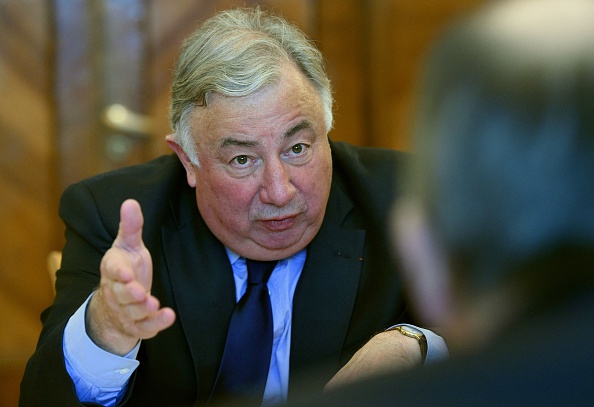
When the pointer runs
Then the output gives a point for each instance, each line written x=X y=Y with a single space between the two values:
x=26 y=183
x=342 y=38
x=400 y=34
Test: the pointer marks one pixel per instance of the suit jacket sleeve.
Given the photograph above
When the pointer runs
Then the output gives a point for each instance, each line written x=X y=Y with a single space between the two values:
x=199 y=287
x=46 y=381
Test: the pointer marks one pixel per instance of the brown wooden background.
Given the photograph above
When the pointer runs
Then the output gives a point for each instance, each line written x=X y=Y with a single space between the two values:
x=62 y=62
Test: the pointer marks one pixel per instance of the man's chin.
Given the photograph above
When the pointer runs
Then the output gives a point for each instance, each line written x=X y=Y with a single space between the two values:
x=267 y=245
x=276 y=249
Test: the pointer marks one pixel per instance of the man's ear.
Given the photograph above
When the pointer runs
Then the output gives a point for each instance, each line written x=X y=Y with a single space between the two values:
x=425 y=264
x=185 y=160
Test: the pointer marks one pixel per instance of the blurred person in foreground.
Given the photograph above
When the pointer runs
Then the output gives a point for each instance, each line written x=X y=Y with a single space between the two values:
x=153 y=294
x=496 y=225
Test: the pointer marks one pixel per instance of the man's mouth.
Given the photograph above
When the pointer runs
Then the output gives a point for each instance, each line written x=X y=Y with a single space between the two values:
x=280 y=224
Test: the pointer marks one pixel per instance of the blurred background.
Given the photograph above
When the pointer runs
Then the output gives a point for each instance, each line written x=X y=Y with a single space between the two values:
x=84 y=88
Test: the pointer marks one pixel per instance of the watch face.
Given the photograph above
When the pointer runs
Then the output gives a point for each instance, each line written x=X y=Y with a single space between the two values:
x=411 y=330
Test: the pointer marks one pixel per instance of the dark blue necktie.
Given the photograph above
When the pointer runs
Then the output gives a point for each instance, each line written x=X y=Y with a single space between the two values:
x=246 y=358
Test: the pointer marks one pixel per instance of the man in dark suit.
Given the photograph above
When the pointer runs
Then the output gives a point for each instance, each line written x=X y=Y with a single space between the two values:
x=497 y=222
x=147 y=290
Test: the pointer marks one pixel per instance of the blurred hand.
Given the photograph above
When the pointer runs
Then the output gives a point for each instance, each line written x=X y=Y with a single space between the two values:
x=122 y=311
x=385 y=352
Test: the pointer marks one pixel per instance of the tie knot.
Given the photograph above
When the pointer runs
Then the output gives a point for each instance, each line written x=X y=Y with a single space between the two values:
x=259 y=271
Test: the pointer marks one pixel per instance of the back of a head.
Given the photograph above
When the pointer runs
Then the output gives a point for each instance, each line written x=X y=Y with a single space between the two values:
x=505 y=136
x=237 y=52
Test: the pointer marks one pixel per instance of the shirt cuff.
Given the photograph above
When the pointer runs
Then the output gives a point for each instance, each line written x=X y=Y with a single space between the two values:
x=436 y=347
x=91 y=363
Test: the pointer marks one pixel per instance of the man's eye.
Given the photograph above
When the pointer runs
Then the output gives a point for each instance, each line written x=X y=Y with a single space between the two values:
x=241 y=159
x=297 y=148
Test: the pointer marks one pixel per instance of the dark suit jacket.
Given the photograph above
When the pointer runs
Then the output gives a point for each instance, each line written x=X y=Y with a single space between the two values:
x=349 y=288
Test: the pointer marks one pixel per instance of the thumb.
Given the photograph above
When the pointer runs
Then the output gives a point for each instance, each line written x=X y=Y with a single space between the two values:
x=131 y=221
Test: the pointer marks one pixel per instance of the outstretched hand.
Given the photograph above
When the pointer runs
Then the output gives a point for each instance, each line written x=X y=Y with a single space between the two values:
x=123 y=311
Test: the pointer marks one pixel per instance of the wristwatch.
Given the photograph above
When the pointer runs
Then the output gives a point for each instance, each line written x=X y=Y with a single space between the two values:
x=414 y=333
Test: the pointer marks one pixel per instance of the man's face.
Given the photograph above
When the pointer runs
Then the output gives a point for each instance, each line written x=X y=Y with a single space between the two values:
x=265 y=167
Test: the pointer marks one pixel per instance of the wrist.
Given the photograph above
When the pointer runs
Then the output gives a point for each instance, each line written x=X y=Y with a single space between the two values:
x=104 y=334
x=416 y=335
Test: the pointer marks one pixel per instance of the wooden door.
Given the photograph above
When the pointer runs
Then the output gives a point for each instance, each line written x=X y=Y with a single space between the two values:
x=65 y=63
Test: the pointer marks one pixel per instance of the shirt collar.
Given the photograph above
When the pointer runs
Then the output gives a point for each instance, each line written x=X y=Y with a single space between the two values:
x=234 y=257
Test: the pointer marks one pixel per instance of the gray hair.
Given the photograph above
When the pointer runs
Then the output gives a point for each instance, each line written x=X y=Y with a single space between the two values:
x=234 y=53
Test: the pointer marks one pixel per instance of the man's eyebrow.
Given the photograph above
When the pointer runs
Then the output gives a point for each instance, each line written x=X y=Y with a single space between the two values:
x=298 y=127
x=230 y=141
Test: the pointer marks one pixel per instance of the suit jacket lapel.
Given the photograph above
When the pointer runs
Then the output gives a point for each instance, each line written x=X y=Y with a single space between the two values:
x=199 y=271
x=203 y=287
x=326 y=293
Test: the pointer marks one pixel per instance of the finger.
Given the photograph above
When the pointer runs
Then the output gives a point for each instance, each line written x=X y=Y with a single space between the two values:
x=130 y=231
x=127 y=293
x=155 y=323
x=138 y=311
x=117 y=265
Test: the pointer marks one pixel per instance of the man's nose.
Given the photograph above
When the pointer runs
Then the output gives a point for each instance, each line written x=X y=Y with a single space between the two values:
x=277 y=187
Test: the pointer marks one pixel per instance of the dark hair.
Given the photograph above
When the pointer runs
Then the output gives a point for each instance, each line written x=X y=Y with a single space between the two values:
x=505 y=136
